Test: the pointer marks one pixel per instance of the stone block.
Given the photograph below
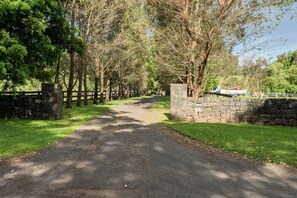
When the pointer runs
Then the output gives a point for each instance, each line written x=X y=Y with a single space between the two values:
x=293 y=105
x=293 y=122
x=264 y=120
x=278 y=121
x=223 y=120
x=285 y=121
x=202 y=120
x=217 y=113
x=52 y=118
x=214 y=120
x=292 y=116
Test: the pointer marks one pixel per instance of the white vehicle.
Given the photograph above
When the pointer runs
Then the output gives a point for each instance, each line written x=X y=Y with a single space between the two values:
x=234 y=92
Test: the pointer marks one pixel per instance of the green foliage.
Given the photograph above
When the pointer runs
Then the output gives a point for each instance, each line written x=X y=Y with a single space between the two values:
x=153 y=84
x=162 y=103
x=291 y=59
x=211 y=83
x=281 y=76
x=270 y=143
x=232 y=80
x=162 y=107
x=32 y=35
x=253 y=72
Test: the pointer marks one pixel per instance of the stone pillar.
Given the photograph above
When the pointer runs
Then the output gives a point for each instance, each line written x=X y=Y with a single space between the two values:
x=178 y=101
x=52 y=101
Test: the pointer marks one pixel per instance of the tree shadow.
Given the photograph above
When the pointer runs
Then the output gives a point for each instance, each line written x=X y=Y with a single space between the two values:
x=130 y=159
x=168 y=116
x=282 y=112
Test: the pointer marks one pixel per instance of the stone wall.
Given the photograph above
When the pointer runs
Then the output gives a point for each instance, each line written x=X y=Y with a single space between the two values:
x=232 y=110
x=47 y=104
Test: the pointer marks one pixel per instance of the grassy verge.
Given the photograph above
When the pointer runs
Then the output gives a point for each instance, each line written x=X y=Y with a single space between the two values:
x=162 y=106
x=270 y=143
x=24 y=136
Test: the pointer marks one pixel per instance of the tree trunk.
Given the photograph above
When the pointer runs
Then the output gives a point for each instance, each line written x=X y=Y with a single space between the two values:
x=96 y=80
x=85 y=86
x=119 y=96
x=80 y=82
x=57 y=80
x=80 y=67
x=102 y=84
x=72 y=63
x=190 y=68
x=201 y=70
x=108 y=90
x=70 y=83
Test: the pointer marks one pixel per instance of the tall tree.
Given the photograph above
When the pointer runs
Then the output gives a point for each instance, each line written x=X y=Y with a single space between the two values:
x=209 y=22
x=32 y=37
x=281 y=76
x=72 y=56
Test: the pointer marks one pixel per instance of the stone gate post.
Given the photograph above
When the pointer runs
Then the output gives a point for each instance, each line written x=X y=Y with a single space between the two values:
x=178 y=101
x=52 y=101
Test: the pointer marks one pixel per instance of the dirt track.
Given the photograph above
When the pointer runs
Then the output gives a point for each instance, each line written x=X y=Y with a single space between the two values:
x=126 y=154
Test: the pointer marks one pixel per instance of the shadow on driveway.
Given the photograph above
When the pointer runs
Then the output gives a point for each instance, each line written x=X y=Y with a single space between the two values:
x=126 y=154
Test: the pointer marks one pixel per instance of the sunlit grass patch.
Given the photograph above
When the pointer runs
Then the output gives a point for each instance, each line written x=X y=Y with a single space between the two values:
x=270 y=143
x=162 y=103
x=24 y=136
x=275 y=144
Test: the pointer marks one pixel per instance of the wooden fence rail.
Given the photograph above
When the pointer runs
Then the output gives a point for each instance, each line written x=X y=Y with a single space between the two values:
x=90 y=96
x=25 y=93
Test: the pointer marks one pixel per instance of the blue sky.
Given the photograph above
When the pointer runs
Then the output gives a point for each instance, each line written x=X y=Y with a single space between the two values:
x=282 y=39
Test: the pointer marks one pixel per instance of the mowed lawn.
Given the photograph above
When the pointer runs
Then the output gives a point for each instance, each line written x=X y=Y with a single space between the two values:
x=25 y=136
x=276 y=144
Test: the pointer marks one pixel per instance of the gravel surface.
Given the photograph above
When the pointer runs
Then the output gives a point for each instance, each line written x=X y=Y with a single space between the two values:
x=126 y=154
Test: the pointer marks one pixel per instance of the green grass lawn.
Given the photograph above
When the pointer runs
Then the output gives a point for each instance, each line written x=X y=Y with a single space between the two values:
x=275 y=144
x=162 y=106
x=163 y=103
x=25 y=136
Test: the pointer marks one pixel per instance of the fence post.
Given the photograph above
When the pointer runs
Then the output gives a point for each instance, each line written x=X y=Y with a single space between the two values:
x=178 y=98
x=52 y=101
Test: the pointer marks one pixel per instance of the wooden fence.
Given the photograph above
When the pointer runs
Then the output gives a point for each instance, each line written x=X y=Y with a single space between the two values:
x=90 y=94
x=24 y=93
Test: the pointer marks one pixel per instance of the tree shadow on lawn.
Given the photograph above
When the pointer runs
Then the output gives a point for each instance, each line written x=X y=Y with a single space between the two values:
x=130 y=159
x=22 y=136
x=168 y=116
x=271 y=143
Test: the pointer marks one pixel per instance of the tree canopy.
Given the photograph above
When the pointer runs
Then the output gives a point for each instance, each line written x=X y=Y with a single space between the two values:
x=32 y=35
x=282 y=75
x=138 y=46
x=211 y=25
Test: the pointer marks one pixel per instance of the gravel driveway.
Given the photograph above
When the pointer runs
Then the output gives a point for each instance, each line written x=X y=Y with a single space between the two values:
x=126 y=154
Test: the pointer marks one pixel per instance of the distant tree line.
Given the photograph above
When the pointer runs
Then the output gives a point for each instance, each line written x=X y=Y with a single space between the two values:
x=194 y=37
x=86 y=45
x=281 y=76
x=136 y=45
